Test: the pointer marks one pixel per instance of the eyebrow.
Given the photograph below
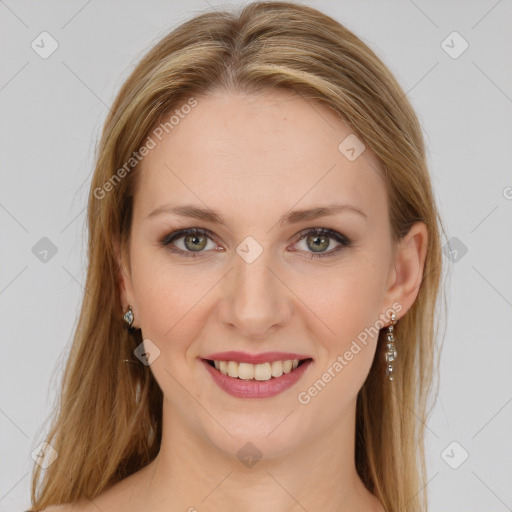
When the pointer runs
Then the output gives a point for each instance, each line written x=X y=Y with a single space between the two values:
x=207 y=214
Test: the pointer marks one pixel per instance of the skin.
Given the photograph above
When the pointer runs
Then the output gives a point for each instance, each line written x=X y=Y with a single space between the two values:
x=253 y=159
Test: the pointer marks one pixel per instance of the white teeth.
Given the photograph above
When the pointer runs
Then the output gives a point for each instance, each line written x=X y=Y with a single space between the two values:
x=263 y=371
x=232 y=369
x=277 y=368
x=243 y=371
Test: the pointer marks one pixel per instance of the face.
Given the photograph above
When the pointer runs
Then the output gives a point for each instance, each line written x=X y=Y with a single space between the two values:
x=267 y=278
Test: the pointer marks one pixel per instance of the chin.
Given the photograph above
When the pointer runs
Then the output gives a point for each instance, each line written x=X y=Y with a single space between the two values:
x=267 y=437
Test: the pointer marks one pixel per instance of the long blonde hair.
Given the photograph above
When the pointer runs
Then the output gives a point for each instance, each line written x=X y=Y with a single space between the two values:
x=108 y=420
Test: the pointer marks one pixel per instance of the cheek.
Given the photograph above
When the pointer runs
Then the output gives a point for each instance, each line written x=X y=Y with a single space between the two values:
x=348 y=302
x=347 y=299
x=349 y=306
x=168 y=300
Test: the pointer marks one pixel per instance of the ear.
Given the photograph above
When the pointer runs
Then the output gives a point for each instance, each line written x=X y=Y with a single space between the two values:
x=127 y=297
x=406 y=275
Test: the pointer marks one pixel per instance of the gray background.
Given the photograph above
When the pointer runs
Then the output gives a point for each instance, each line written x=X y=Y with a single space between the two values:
x=52 y=114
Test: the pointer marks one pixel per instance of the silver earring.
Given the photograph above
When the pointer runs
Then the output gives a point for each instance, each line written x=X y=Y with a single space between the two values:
x=128 y=318
x=391 y=353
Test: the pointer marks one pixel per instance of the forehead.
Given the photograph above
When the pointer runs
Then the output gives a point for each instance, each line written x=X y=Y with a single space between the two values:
x=265 y=152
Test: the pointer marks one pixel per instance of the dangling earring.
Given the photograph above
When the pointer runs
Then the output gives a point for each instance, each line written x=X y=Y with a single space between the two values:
x=128 y=318
x=391 y=353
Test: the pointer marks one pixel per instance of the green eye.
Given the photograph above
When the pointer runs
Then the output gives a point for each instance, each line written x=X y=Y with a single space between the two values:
x=318 y=243
x=318 y=240
x=195 y=242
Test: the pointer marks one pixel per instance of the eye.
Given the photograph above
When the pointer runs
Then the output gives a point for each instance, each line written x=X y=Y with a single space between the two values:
x=318 y=240
x=186 y=242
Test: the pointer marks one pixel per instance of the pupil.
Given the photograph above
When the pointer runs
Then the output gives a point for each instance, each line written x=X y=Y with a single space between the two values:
x=320 y=242
x=196 y=239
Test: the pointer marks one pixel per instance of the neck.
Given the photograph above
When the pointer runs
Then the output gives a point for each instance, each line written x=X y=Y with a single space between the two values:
x=192 y=474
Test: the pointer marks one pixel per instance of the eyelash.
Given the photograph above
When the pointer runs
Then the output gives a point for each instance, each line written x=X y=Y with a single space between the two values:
x=165 y=241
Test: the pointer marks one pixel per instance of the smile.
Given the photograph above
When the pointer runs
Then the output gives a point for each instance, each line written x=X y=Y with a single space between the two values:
x=261 y=372
x=261 y=380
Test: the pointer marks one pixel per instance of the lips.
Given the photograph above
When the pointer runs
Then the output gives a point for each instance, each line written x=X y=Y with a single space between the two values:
x=263 y=385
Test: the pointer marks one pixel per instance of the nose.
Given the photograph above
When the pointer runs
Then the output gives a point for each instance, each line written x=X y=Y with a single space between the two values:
x=255 y=300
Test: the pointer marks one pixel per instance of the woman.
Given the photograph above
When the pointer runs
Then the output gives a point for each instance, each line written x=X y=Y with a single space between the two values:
x=262 y=221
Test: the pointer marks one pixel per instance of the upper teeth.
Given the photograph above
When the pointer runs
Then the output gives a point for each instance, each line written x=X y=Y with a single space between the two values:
x=263 y=371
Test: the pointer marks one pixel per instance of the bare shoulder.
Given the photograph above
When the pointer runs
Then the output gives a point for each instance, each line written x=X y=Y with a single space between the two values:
x=119 y=497
x=77 y=506
x=67 y=507
x=70 y=507
x=83 y=505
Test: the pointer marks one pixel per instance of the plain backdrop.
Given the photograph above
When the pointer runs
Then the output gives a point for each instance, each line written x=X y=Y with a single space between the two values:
x=454 y=61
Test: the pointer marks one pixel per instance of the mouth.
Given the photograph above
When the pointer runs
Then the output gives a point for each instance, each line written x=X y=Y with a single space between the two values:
x=260 y=380
x=256 y=372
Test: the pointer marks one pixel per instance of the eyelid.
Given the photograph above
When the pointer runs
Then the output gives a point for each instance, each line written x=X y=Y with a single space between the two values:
x=177 y=233
x=323 y=231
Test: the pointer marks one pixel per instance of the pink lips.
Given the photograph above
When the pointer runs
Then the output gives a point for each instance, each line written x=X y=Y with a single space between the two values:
x=241 y=388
